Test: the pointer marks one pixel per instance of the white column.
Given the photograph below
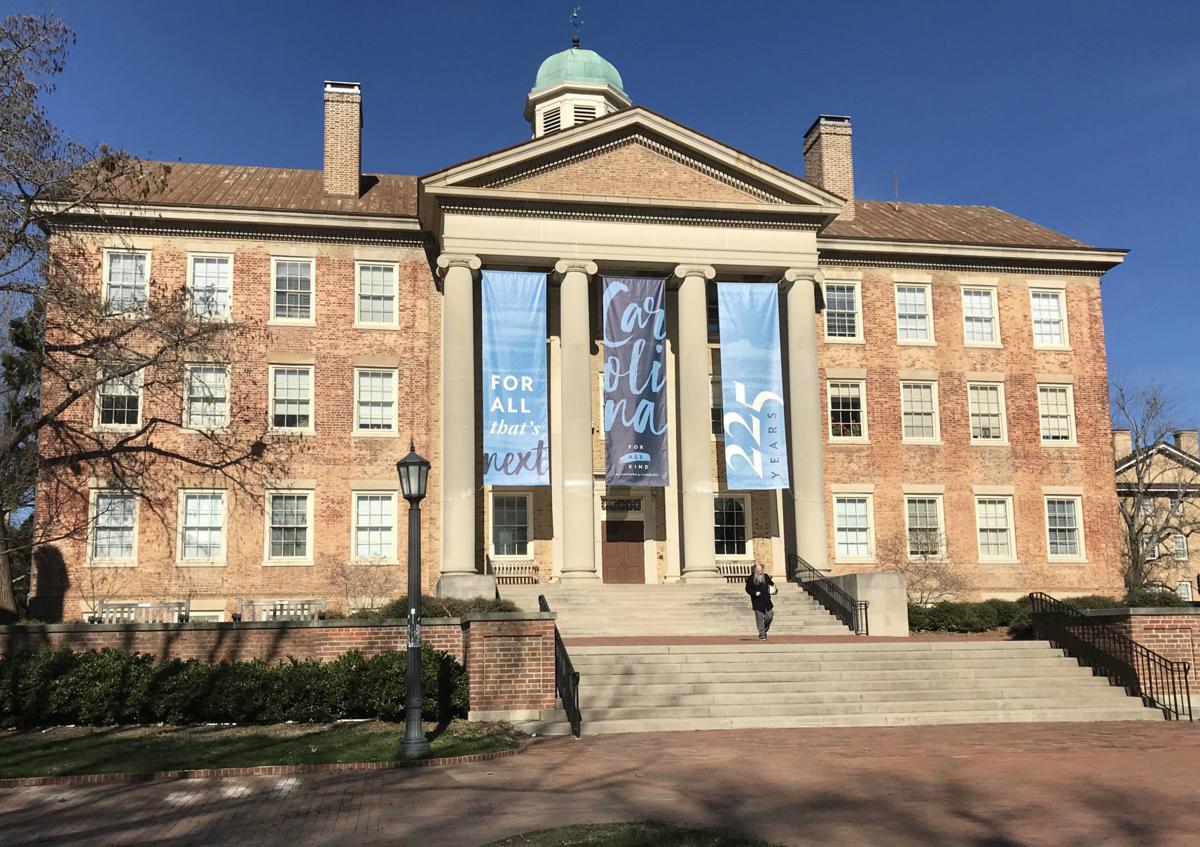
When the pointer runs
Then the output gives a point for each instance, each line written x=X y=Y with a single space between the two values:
x=575 y=388
x=807 y=445
x=459 y=577
x=695 y=428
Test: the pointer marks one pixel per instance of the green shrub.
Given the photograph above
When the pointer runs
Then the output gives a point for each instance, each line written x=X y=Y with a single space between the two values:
x=440 y=607
x=1006 y=610
x=106 y=687
x=1146 y=599
x=1094 y=601
x=961 y=617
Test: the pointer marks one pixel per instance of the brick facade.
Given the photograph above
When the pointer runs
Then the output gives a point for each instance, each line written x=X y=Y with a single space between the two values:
x=331 y=461
x=509 y=657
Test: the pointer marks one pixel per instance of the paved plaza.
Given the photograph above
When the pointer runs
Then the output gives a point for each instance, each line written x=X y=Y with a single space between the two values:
x=1084 y=785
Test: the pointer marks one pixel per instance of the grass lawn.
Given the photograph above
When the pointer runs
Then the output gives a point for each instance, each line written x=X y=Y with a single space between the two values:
x=83 y=750
x=643 y=834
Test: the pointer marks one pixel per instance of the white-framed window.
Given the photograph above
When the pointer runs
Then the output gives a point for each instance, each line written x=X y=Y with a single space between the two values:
x=206 y=400
x=289 y=527
x=113 y=526
x=210 y=285
x=375 y=401
x=377 y=303
x=374 y=526
x=731 y=526
x=914 y=313
x=985 y=407
x=847 y=410
x=292 y=398
x=919 y=411
x=126 y=281
x=1064 y=527
x=854 y=530
x=1150 y=547
x=202 y=526
x=1148 y=507
x=993 y=521
x=1049 y=310
x=981 y=321
x=1179 y=547
x=923 y=519
x=293 y=298
x=1056 y=414
x=511 y=525
x=843 y=311
x=119 y=401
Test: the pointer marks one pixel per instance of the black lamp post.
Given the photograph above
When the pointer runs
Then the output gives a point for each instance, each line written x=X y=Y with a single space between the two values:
x=414 y=475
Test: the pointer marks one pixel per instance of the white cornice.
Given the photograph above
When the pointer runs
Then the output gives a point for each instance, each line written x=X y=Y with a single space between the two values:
x=1089 y=255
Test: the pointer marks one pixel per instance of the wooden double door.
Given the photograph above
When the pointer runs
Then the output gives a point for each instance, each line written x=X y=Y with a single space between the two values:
x=622 y=551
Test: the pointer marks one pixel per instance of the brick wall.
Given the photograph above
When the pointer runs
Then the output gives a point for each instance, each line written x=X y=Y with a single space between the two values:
x=332 y=459
x=886 y=464
x=509 y=657
x=1172 y=633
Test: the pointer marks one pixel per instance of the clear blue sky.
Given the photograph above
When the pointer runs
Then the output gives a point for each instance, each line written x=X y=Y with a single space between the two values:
x=1082 y=115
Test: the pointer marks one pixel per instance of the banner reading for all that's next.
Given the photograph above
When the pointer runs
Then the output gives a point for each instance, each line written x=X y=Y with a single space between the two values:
x=635 y=401
x=516 y=427
x=752 y=386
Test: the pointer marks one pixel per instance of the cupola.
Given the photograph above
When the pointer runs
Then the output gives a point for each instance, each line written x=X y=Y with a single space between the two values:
x=572 y=88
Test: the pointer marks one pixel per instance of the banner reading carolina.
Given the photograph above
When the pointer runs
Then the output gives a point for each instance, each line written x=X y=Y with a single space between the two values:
x=515 y=421
x=635 y=402
x=752 y=386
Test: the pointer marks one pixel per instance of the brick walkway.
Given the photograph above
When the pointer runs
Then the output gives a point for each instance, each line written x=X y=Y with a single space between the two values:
x=1080 y=785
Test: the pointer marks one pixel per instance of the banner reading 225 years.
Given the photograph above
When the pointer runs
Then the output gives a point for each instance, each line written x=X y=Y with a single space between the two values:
x=515 y=420
x=752 y=386
x=635 y=402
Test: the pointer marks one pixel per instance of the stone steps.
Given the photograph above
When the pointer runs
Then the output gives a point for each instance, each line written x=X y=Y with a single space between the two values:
x=677 y=609
x=661 y=687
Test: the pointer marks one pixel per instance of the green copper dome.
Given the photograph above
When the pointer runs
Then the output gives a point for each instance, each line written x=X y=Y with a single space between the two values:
x=577 y=65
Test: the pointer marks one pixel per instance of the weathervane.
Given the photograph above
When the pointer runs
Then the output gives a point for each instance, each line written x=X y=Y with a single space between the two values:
x=577 y=25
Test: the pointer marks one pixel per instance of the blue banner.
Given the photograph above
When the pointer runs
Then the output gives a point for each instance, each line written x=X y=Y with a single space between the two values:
x=635 y=380
x=752 y=386
x=516 y=427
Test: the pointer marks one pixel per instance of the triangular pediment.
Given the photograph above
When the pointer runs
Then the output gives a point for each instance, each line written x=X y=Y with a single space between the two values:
x=631 y=156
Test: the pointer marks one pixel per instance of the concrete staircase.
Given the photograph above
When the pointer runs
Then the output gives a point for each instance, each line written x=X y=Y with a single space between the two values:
x=864 y=683
x=670 y=610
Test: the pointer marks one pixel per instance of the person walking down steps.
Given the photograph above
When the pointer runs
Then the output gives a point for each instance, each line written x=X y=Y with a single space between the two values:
x=760 y=587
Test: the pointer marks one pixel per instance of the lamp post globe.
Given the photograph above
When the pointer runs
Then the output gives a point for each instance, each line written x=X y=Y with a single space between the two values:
x=413 y=471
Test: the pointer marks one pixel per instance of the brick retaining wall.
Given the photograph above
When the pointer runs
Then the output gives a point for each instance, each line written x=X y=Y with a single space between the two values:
x=1171 y=632
x=509 y=656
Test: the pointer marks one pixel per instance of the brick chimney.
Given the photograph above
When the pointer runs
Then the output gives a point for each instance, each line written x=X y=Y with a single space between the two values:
x=1187 y=441
x=828 y=162
x=1122 y=443
x=343 y=138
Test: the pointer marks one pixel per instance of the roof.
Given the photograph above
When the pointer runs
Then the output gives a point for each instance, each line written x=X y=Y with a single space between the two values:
x=1163 y=448
x=577 y=65
x=280 y=189
x=939 y=224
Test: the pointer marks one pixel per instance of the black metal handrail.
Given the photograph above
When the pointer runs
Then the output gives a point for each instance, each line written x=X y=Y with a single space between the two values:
x=566 y=678
x=851 y=612
x=1159 y=681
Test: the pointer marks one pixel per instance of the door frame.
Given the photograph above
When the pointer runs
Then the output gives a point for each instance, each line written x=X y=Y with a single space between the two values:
x=647 y=514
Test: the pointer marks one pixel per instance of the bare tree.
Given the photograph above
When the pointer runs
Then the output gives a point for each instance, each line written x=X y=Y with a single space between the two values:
x=366 y=586
x=929 y=575
x=1158 y=488
x=68 y=341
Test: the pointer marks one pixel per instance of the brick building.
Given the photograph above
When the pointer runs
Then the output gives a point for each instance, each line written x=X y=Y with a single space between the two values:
x=944 y=368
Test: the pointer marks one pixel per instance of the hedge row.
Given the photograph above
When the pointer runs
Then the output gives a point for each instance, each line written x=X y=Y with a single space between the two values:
x=434 y=607
x=1015 y=614
x=54 y=687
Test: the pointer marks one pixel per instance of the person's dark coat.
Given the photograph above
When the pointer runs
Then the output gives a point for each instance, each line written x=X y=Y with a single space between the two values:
x=760 y=595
